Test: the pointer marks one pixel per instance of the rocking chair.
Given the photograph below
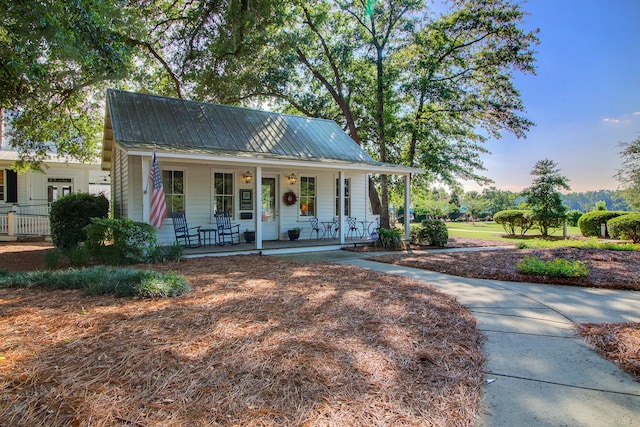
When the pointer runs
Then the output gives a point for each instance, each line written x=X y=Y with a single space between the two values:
x=183 y=232
x=227 y=232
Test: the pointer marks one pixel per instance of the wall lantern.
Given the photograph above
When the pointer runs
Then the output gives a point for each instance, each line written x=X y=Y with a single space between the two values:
x=292 y=179
x=247 y=177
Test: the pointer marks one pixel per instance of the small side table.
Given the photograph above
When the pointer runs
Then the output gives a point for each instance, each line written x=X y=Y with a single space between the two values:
x=206 y=236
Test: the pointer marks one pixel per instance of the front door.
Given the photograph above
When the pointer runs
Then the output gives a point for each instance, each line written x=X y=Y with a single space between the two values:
x=269 y=209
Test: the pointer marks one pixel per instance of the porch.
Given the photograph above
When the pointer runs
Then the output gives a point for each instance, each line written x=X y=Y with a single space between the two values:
x=30 y=221
x=274 y=247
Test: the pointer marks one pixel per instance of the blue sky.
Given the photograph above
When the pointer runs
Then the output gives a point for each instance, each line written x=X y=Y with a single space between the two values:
x=584 y=98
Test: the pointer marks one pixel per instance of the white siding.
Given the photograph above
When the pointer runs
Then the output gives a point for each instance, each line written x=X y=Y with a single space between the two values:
x=129 y=192
x=120 y=186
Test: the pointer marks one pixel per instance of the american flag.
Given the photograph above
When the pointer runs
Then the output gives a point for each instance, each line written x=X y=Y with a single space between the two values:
x=158 y=204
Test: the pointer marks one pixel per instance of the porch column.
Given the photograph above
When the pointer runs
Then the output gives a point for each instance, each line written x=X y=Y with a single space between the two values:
x=407 y=204
x=341 y=207
x=258 y=217
x=146 y=185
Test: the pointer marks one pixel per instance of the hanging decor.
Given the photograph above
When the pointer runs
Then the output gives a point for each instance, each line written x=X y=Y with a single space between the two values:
x=290 y=198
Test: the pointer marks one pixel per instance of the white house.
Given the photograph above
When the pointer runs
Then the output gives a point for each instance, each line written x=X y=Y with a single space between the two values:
x=26 y=197
x=271 y=172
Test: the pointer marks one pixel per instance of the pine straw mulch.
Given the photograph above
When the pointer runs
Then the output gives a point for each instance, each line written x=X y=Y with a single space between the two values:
x=608 y=269
x=619 y=342
x=258 y=341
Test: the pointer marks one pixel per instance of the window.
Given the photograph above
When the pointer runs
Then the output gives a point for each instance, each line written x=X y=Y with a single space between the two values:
x=223 y=193
x=1 y=184
x=173 y=186
x=347 y=197
x=57 y=188
x=307 y=196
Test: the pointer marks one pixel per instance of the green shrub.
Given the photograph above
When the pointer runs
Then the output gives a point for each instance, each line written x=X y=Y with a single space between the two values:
x=120 y=241
x=592 y=243
x=433 y=231
x=625 y=227
x=559 y=267
x=171 y=253
x=573 y=217
x=514 y=219
x=590 y=222
x=79 y=256
x=414 y=229
x=102 y=280
x=389 y=238
x=70 y=214
x=52 y=259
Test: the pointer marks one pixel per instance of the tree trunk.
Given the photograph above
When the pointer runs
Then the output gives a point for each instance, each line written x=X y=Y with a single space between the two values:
x=382 y=142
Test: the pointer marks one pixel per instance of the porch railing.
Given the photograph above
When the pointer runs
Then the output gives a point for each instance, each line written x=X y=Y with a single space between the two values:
x=14 y=224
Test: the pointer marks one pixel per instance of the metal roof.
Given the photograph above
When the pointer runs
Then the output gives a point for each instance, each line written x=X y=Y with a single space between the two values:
x=140 y=122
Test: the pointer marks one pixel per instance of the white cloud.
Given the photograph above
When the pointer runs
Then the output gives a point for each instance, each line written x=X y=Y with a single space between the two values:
x=636 y=113
x=612 y=121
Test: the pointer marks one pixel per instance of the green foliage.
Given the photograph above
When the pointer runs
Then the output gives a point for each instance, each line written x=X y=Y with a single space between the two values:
x=586 y=201
x=414 y=229
x=79 y=256
x=52 y=259
x=390 y=239
x=629 y=174
x=498 y=200
x=573 y=216
x=121 y=282
x=120 y=241
x=590 y=222
x=70 y=214
x=625 y=227
x=514 y=219
x=559 y=267
x=592 y=243
x=434 y=232
x=544 y=196
x=170 y=253
x=56 y=58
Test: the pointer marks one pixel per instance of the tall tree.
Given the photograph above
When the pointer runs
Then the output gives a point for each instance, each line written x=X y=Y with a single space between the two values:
x=544 y=197
x=629 y=174
x=409 y=88
x=52 y=55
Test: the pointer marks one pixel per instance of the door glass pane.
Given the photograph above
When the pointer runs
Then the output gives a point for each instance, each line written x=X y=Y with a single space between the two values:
x=268 y=199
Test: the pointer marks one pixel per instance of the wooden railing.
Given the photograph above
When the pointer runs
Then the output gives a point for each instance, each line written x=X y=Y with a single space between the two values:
x=14 y=224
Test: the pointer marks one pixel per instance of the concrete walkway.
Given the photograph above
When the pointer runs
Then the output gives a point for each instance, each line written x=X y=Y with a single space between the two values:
x=538 y=373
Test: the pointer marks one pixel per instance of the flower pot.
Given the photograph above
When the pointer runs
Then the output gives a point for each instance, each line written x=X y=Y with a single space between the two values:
x=249 y=236
x=293 y=234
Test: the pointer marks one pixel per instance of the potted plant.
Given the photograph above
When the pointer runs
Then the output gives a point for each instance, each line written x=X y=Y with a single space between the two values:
x=249 y=236
x=294 y=233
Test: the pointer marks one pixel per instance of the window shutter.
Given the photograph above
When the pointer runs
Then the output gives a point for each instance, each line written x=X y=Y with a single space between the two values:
x=12 y=186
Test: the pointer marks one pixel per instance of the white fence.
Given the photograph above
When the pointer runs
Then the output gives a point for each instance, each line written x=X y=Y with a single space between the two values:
x=15 y=224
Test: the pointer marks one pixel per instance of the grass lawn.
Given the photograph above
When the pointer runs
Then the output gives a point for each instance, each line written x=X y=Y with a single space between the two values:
x=492 y=231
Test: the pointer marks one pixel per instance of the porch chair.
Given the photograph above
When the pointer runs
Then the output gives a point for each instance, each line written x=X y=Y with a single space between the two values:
x=183 y=232
x=335 y=228
x=353 y=226
x=314 y=227
x=227 y=232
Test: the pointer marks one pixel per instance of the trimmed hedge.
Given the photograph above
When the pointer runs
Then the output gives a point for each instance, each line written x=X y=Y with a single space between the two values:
x=512 y=219
x=590 y=222
x=625 y=227
x=70 y=214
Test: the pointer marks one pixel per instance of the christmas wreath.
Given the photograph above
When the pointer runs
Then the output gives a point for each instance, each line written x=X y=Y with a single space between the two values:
x=290 y=198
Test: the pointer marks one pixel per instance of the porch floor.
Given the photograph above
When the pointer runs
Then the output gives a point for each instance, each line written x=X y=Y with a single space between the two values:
x=273 y=247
